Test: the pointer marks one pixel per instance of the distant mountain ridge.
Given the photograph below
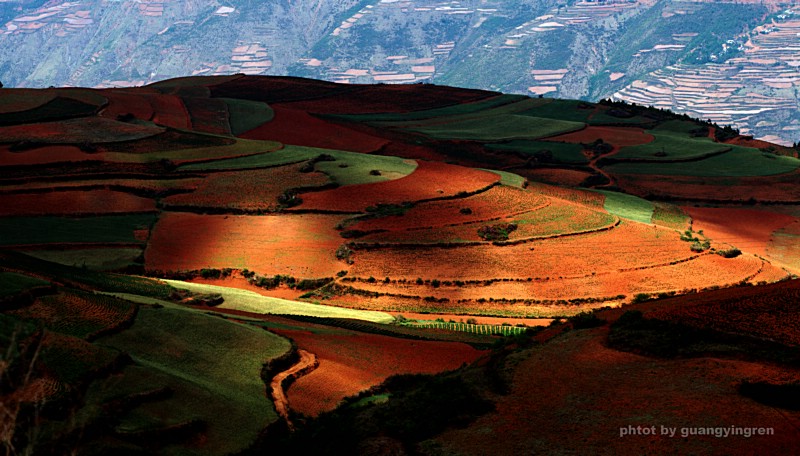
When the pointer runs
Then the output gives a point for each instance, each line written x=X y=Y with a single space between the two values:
x=730 y=62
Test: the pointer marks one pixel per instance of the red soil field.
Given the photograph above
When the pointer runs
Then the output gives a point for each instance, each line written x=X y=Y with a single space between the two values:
x=749 y=230
x=350 y=362
x=772 y=314
x=784 y=246
x=73 y=202
x=250 y=190
x=208 y=115
x=390 y=98
x=237 y=281
x=781 y=188
x=168 y=110
x=45 y=155
x=88 y=129
x=429 y=180
x=576 y=394
x=495 y=203
x=122 y=103
x=701 y=272
x=555 y=219
x=481 y=320
x=275 y=89
x=585 y=197
x=151 y=185
x=557 y=176
x=302 y=245
x=616 y=136
x=291 y=126
x=626 y=246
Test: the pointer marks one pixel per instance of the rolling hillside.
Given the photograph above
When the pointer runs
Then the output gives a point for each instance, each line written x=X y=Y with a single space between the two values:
x=327 y=242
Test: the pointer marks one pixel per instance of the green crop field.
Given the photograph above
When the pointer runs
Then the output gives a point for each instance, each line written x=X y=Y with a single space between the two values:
x=250 y=301
x=568 y=153
x=101 y=259
x=56 y=230
x=352 y=168
x=245 y=115
x=499 y=128
x=628 y=206
x=673 y=146
x=174 y=341
x=739 y=162
x=572 y=110
x=677 y=126
x=348 y=168
x=12 y=283
x=603 y=118
x=447 y=111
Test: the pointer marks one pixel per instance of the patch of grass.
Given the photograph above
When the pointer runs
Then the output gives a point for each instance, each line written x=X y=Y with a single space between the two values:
x=739 y=162
x=669 y=145
x=351 y=168
x=572 y=110
x=567 y=153
x=53 y=230
x=286 y=155
x=175 y=341
x=628 y=206
x=250 y=301
x=12 y=283
x=447 y=111
x=244 y=115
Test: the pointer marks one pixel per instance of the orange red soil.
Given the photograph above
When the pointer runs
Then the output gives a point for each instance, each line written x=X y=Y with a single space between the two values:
x=430 y=180
x=578 y=387
x=749 y=230
x=616 y=136
x=297 y=127
x=47 y=154
x=350 y=362
x=73 y=202
x=301 y=245
x=250 y=190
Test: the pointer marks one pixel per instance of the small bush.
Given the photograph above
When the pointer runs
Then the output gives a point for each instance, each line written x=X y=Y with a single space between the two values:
x=729 y=253
x=497 y=232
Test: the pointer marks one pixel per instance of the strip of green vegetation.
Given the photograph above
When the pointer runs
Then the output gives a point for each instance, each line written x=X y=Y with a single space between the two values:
x=510 y=179
x=286 y=155
x=57 y=109
x=447 y=111
x=249 y=301
x=669 y=145
x=628 y=206
x=244 y=115
x=344 y=168
x=86 y=278
x=239 y=148
x=544 y=151
x=687 y=127
x=739 y=162
x=572 y=110
x=603 y=118
x=500 y=111
x=55 y=230
x=177 y=342
x=12 y=283
x=499 y=128
x=110 y=259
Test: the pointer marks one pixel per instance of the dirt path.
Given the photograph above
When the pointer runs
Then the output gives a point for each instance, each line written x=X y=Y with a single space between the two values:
x=307 y=363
